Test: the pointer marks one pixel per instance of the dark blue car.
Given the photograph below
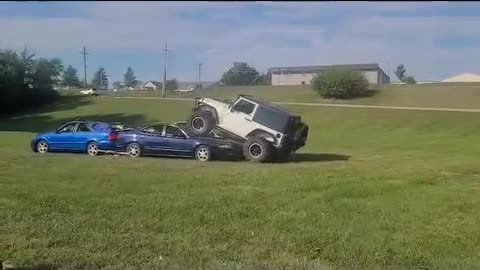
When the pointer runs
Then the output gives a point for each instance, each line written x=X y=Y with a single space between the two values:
x=173 y=140
x=77 y=136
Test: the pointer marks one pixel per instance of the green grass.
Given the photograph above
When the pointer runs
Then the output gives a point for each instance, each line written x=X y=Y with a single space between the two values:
x=372 y=189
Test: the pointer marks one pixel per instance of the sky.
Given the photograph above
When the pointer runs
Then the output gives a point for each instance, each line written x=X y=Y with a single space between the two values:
x=434 y=40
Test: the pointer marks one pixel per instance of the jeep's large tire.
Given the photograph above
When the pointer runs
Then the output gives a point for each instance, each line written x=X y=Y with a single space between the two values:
x=200 y=123
x=257 y=149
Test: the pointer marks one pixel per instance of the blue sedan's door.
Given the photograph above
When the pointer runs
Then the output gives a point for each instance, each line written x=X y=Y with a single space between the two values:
x=62 y=139
x=80 y=137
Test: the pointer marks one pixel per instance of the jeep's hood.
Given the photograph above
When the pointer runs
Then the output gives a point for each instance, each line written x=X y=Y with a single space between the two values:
x=216 y=103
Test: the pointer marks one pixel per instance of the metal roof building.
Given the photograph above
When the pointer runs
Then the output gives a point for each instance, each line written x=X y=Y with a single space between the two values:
x=303 y=75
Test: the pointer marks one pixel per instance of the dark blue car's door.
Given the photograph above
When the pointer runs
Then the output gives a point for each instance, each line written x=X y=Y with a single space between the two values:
x=62 y=139
x=153 y=144
x=176 y=142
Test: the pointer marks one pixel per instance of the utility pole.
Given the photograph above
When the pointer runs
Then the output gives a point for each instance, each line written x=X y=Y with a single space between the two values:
x=164 y=84
x=84 y=66
x=200 y=75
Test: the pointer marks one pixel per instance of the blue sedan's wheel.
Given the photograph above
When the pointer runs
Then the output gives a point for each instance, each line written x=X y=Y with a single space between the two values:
x=42 y=146
x=92 y=149
x=134 y=150
x=202 y=153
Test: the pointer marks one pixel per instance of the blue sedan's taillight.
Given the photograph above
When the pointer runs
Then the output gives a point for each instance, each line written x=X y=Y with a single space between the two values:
x=113 y=136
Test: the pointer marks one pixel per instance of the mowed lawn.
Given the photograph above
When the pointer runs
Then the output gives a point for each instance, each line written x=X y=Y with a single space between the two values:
x=438 y=95
x=373 y=189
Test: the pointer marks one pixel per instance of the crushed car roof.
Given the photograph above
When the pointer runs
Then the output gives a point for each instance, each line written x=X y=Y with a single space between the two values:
x=267 y=104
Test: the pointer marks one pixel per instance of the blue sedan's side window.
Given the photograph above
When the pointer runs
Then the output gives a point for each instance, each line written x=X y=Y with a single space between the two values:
x=82 y=128
x=68 y=128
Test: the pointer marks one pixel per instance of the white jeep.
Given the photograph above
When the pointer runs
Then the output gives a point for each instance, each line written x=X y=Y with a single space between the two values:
x=268 y=132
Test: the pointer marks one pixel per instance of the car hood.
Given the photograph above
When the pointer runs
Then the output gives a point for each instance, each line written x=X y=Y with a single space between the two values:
x=46 y=134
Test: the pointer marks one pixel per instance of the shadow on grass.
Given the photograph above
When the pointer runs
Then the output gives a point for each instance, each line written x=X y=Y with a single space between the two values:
x=313 y=157
x=368 y=94
x=63 y=103
x=40 y=123
x=8 y=265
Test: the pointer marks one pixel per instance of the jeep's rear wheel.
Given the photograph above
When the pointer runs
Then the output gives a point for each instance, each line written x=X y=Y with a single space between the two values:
x=257 y=149
x=201 y=123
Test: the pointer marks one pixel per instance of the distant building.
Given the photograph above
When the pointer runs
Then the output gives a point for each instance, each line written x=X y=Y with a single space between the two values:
x=465 y=77
x=152 y=85
x=304 y=75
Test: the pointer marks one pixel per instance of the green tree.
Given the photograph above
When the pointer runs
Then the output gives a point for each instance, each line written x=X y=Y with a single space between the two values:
x=400 y=72
x=117 y=85
x=240 y=74
x=263 y=79
x=171 y=85
x=70 y=77
x=26 y=82
x=129 y=79
x=409 y=80
x=28 y=59
x=340 y=84
x=100 y=79
x=47 y=72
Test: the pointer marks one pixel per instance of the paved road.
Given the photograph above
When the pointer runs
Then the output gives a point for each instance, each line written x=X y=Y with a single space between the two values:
x=335 y=105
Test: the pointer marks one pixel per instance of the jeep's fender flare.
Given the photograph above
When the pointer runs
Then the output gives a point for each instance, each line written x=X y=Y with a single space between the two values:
x=263 y=134
x=208 y=108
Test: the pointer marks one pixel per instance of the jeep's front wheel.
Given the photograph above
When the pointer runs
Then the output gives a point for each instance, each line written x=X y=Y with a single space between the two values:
x=201 y=123
x=257 y=149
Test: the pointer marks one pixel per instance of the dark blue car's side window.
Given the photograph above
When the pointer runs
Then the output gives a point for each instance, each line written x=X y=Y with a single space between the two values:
x=174 y=132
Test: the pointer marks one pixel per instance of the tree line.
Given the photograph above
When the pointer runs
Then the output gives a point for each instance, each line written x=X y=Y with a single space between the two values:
x=243 y=74
x=99 y=81
x=26 y=81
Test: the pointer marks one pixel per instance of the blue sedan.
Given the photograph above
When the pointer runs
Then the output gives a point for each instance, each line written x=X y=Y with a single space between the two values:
x=77 y=136
x=173 y=140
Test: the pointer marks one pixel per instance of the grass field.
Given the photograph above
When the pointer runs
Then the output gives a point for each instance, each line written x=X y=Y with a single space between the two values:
x=451 y=95
x=372 y=189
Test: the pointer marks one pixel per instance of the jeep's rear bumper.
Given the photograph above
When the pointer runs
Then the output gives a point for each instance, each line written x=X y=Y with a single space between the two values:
x=295 y=142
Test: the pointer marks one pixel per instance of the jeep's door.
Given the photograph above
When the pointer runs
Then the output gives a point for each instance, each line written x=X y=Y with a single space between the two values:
x=239 y=119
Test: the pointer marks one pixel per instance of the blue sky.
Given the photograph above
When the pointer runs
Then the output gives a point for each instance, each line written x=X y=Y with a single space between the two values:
x=434 y=40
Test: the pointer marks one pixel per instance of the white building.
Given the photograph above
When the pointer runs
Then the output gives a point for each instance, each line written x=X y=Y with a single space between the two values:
x=304 y=75
x=465 y=77
x=152 y=85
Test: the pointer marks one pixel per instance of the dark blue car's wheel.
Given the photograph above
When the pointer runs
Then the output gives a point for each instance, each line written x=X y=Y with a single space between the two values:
x=42 y=146
x=92 y=149
x=202 y=153
x=134 y=150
